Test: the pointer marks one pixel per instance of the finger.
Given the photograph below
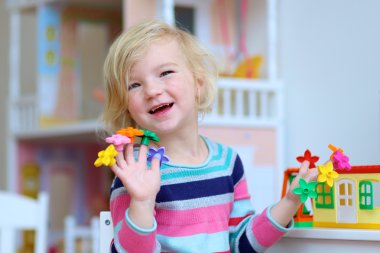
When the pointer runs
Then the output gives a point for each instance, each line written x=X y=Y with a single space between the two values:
x=115 y=169
x=304 y=168
x=121 y=161
x=142 y=153
x=129 y=154
x=312 y=175
x=155 y=164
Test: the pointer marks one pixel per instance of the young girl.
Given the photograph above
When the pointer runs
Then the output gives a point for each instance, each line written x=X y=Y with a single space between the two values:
x=160 y=79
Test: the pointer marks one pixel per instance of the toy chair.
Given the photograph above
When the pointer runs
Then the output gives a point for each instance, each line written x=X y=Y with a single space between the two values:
x=106 y=231
x=19 y=212
x=88 y=234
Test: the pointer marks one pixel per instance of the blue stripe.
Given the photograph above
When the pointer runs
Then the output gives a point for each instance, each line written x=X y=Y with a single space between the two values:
x=244 y=245
x=215 y=242
x=238 y=171
x=196 y=189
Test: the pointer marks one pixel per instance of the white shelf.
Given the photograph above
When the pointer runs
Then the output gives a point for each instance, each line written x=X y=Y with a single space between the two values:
x=335 y=234
x=73 y=129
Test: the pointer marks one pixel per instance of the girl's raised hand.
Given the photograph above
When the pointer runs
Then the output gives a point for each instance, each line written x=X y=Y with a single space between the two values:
x=141 y=182
x=307 y=174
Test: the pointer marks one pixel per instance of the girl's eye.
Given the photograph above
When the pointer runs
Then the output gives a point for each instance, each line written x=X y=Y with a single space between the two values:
x=133 y=85
x=165 y=73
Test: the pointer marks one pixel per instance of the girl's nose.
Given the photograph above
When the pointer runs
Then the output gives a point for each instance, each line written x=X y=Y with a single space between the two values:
x=153 y=88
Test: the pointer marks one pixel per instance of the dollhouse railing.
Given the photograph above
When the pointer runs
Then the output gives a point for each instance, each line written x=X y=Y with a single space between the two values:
x=246 y=103
x=239 y=102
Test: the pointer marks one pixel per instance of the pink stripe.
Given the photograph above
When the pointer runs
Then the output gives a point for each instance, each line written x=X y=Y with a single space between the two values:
x=241 y=190
x=118 y=206
x=189 y=217
x=136 y=242
x=198 y=228
x=265 y=232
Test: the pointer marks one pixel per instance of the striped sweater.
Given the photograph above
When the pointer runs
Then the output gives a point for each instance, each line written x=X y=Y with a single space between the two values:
x=203 y=208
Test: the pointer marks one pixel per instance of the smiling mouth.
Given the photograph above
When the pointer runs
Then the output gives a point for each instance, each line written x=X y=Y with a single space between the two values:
x=161 y=107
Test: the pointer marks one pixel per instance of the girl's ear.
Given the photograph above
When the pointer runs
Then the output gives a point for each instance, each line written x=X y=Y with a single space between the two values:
x=199 y=87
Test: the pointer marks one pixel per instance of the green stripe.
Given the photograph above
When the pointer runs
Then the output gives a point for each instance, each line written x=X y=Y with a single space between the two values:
x=234 y=235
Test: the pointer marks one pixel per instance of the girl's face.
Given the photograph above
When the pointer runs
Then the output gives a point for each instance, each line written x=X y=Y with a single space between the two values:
x=162 y=90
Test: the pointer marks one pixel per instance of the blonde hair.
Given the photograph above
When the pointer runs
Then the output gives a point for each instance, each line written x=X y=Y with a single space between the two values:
x=129 y=47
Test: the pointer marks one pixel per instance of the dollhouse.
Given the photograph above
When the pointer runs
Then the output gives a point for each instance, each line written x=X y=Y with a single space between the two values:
x=353 y=201
x=53 y=114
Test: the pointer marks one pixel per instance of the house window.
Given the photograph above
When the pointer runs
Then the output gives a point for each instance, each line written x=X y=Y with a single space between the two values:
x=369 y=194
x=184 y=18
x=325 y=196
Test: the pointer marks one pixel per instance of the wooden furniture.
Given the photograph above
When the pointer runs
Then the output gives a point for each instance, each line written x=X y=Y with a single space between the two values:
x=17 y=213
x=106 y=231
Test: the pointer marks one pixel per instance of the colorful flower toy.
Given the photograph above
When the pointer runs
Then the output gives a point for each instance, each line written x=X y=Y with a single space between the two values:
x=306 y=190
x=341 y=161
x=118 y=141
x=147 y=136
x=308 y=157
x=158 y=152
x=130 y=132
x=327 y=173
x=334 y=149
x=106 y=157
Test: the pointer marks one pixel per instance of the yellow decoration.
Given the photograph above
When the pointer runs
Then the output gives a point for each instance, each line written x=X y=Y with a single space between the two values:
x=106 y=157
x=249 y=68
x=327 y=173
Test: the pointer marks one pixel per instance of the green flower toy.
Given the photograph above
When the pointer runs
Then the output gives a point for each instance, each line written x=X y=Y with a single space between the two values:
x=306 y=190
x=147 y=136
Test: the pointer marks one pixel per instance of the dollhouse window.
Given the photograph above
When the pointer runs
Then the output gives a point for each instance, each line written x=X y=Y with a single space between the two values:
x=369 y=195
x=325 y=196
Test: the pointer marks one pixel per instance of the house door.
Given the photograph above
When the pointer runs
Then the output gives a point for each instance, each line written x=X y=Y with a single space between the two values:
x=346 y=201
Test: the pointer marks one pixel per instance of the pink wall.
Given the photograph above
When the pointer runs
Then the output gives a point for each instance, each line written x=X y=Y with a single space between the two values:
x=263 y=141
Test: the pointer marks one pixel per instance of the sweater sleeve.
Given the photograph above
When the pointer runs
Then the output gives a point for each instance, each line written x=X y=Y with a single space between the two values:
x=128 y=237
x=250 y=232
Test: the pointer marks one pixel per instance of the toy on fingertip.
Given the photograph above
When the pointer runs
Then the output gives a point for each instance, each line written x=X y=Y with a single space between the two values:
x=130 y=132
x=308 y=157
x=327 y=173
x=159 y=152
x=305 y=190
x=148 y=136
x=341 y=161
x=334 y=149
x=106 y=157
x=118 y=140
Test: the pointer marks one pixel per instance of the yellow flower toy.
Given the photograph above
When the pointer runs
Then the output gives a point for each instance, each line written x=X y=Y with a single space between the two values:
x=327 y=173
x=106 y=157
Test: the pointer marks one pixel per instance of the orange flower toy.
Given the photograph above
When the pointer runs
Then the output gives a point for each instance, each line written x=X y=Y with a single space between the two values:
x=130 y=132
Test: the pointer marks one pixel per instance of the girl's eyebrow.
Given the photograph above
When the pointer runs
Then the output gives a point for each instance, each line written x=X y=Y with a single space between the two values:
x=167 y=64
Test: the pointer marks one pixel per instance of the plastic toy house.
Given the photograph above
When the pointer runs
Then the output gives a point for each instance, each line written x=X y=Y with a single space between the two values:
x=352 y=202
x=303 y=217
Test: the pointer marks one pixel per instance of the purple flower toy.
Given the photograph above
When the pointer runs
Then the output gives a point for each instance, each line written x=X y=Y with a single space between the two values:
x=157 y=152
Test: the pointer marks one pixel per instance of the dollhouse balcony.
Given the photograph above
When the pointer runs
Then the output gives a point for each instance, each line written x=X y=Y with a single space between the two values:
x=239 y=103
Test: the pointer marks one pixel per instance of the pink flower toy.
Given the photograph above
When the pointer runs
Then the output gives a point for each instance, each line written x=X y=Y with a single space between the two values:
x=340 y=160
x=118 y=141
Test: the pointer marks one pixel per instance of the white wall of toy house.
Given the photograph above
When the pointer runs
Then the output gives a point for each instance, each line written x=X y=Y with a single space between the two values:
x=330 y=57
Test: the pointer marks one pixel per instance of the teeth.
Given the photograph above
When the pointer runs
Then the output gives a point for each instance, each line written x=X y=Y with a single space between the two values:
x=159 y=107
